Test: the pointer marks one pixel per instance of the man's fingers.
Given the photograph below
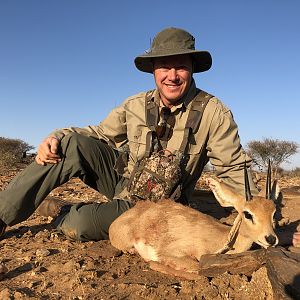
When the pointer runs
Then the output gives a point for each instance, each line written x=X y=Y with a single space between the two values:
x=47 y=152
x=52 y=161
x=39 y=160
x=296 y=239
x=43 y=162
x=54 y=145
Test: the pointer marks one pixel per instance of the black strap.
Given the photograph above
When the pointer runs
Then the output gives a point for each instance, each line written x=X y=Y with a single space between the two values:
x=194 y=118
x=151 y=113
x=192 y=124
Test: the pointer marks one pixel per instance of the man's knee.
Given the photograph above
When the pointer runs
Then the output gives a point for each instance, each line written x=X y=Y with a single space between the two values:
x=82 y=232
x=72 y=139
x=75 y=142
x=76 y=148
x=90 y=222
x=79 y=224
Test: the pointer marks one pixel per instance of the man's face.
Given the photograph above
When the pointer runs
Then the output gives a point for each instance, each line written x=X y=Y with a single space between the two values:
x=173 y=76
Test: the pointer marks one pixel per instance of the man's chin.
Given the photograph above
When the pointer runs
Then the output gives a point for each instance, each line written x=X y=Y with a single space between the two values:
x=173 y=98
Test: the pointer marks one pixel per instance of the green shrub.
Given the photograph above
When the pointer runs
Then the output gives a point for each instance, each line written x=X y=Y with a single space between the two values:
x=12 y=152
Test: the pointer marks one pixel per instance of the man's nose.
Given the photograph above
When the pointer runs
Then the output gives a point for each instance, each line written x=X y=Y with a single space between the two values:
x=172 y=74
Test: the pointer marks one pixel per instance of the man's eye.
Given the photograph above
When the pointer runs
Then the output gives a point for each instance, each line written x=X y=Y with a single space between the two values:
x=248 y=216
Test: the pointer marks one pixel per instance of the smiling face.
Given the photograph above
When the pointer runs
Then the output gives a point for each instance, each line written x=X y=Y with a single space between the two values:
x=173 y=77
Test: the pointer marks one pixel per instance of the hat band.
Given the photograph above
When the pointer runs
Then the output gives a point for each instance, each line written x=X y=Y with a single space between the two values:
x=169 y=51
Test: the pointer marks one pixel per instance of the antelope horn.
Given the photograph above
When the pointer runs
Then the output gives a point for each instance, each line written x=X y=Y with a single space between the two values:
x=268 y=181
x=247 y=185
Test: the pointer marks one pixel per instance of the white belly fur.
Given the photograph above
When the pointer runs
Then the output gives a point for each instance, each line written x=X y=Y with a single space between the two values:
x=148 y=253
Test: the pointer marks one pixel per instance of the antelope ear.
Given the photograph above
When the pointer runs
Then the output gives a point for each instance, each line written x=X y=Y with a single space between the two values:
x=275 y=191
x=225 y=195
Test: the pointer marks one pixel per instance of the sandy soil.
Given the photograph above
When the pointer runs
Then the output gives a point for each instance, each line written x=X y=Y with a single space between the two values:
x=38 y=263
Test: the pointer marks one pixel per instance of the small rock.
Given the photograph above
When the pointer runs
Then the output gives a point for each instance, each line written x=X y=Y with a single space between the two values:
x=71 y=266
x=3 y=269
x=5 y=294
x=103 y=249
x=18 y=296
x=40 y=253
x=41 y=269
x=33 y=284
x=27 y=258
x=122 y=286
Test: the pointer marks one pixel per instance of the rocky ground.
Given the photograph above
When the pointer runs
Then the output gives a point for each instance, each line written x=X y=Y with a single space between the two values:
x=38 y=263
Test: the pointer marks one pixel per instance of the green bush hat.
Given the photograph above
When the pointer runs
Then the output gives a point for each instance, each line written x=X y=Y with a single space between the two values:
x=173 y=41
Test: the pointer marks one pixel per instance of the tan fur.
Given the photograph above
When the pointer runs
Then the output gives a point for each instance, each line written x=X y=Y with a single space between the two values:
x=174 y=237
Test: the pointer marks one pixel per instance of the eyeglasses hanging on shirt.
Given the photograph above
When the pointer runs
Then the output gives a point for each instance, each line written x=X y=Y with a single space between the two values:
x=164 y=128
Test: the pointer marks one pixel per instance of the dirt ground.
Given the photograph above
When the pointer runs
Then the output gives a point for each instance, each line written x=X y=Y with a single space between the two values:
x=38 y=263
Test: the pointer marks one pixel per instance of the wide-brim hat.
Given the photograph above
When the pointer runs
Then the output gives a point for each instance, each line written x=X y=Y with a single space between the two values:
x=174 y=41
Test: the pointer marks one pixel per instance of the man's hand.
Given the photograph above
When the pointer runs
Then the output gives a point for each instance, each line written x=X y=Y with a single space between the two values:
x=48 y=151
x=296 y=239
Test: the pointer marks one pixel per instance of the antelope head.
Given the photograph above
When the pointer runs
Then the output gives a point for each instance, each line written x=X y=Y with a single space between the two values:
x=257 y=212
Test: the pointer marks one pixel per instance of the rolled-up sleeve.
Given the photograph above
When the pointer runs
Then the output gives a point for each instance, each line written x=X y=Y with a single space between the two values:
x=112 y=129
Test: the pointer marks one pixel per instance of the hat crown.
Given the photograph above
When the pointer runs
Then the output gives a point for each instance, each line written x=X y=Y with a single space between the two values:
x=170 y=42
x=172 y=39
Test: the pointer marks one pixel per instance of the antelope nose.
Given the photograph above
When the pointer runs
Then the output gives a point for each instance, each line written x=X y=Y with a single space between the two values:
x=271 y=239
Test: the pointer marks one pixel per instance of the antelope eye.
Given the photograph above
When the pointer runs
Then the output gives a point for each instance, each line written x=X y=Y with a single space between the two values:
x=248 y=216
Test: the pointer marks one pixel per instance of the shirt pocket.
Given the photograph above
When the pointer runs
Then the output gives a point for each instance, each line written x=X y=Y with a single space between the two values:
x=137 y=143
x=195 y=157
x=194 y=146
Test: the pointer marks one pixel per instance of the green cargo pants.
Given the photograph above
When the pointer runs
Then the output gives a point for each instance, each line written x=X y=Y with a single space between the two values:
x=89 y=159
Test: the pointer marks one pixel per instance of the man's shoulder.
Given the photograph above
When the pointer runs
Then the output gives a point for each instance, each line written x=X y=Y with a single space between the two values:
x=216 y=104
x=138 y=97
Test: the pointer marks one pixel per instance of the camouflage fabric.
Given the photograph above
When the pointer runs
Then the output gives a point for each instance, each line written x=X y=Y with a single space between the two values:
x=154 y=177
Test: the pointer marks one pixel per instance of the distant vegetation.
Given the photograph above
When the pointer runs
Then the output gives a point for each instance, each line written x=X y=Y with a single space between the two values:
x=277 y=151
x=12 y=152
x=295 y=172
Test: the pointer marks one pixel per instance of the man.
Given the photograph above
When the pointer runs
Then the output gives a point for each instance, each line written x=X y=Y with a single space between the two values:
x=104 y=156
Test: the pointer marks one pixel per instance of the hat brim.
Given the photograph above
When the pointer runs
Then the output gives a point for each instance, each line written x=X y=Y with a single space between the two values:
x=202 y=60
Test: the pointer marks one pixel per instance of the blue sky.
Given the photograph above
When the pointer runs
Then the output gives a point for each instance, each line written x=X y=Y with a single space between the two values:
x=68 y=63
